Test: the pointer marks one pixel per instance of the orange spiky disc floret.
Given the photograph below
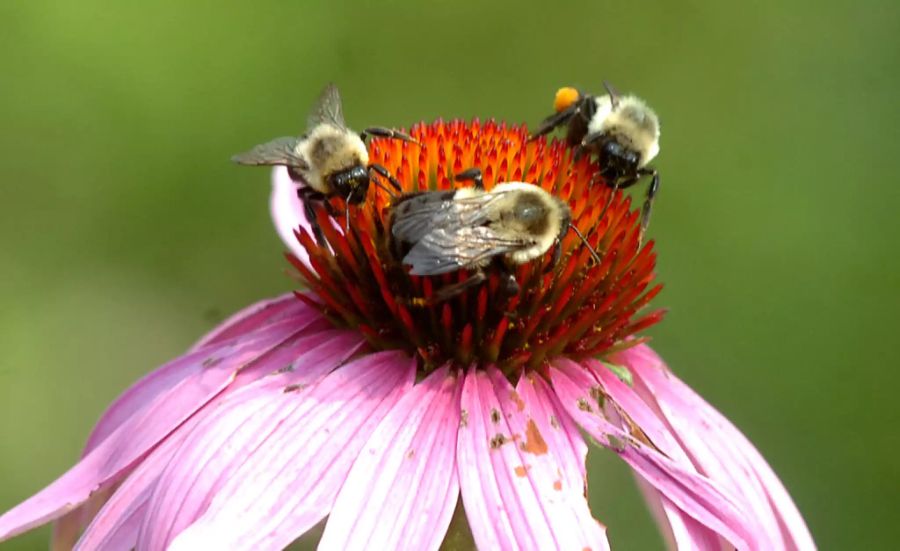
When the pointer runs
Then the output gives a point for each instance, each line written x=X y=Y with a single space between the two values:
x=577 y=308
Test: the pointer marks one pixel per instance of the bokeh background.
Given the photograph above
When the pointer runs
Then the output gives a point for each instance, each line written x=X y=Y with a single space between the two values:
x=125 y=233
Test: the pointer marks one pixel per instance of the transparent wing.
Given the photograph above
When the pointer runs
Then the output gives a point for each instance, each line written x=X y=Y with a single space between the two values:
x=328 y=109
x=280 y=151
x=417 y=215
x=450 y=249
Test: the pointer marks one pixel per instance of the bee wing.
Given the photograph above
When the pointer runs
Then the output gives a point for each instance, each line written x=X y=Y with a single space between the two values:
x=417 y=215
x=280 y=151
x=449 y=249
x=328 y=109
x=448 y=234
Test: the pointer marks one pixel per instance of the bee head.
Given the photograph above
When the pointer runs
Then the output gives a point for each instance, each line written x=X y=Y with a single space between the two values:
x=352 y=183
x=619 y=157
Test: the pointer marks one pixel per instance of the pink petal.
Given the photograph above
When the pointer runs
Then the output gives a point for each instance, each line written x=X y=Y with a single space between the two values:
x=254 y=316
x=108 y=461
x=287 y=211
x=123 y=535
x=267 y=314
x=679 y=530
x=694 y=494
x=402 y=490
x=290 y=481
x=116 y=525
x=720 y=450
x=511 y=475
x=67 y=528
x=230 y=431
x=625 y=400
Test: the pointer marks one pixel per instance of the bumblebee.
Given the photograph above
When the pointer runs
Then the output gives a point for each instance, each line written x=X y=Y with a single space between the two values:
x=470 y=228
x=621 y=131
x=329 y=159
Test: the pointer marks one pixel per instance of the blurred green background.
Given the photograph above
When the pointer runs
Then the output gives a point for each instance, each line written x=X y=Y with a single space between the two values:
x=125 y=233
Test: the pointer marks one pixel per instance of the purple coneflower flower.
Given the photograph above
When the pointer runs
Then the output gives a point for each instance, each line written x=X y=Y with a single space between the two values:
x=355 y=402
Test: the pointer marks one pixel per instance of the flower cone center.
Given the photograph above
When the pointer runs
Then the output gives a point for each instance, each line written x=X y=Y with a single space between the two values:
x=576 y=307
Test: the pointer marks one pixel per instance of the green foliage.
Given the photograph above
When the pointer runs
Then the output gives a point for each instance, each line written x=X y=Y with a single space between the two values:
x=125 y=232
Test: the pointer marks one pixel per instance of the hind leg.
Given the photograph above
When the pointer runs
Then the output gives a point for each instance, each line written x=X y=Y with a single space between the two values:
x=652 y=190
x=308 y=197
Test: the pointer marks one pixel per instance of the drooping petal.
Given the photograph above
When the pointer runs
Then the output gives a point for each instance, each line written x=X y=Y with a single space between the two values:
x=403 y=488
x=694 y=494
x=231 y=430
x=249 y=320
x=116 y=525
x=287 y=211
x=679 y=530
x=627 y=403
x=67 y=528
x=513 y=487
x=257 y=318
x=206 y=375
x=719 y=449
x=252 y=317
x=289 y=482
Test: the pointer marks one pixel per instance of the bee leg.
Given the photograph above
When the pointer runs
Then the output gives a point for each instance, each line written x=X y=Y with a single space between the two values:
x=449 y=291
x=557 y=119
x=382 y=132
x=587 y=244
x=589 y=144
x=347 y=213
x=557 y=255
x=648 y=202
x=510 y=285
x=308 y=197
x=609 y=200
x=473 y=174
x=383 y=172
x=590 y=139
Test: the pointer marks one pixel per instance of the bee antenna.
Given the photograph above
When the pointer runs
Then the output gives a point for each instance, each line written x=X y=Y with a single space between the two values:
x=347 y=213
x=613 y=95
x=383 y=172
x=385 y=188
x=586 y=244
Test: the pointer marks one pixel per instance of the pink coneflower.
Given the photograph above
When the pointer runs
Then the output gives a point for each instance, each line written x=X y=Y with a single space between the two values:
x=355 y=402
